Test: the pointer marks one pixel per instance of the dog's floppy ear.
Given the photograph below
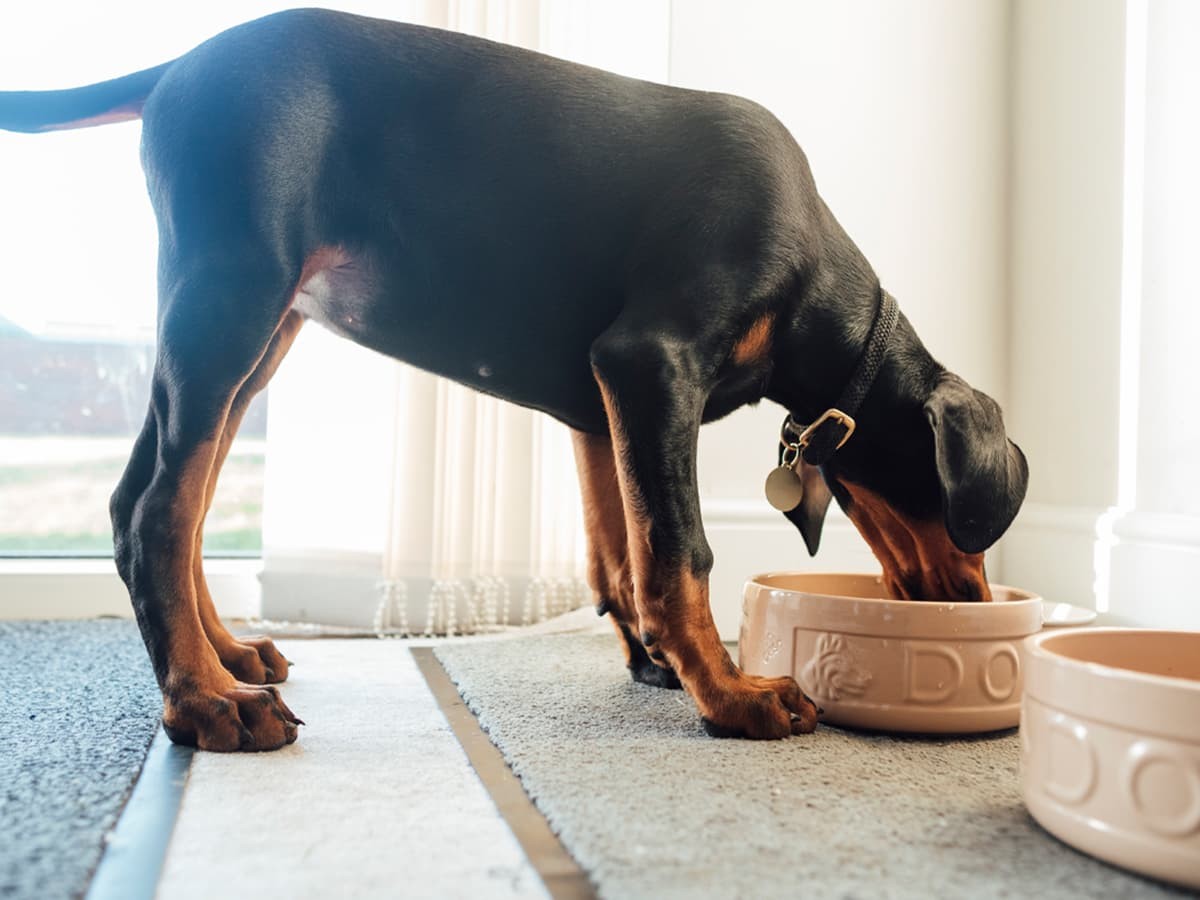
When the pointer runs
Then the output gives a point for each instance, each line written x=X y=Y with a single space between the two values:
x=983 y=474
x=809 y=516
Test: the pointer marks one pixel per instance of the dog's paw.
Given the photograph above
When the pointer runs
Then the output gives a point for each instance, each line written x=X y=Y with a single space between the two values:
x=240 y=717
x=759 y=708
x=254 y=660
x=649 y=666
x=655 y=676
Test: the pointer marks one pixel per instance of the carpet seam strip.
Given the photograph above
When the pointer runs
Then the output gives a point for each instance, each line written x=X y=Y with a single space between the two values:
x=560 y=873
x=136 y=849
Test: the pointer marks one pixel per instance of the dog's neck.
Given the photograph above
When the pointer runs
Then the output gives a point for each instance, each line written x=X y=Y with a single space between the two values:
x=820 y=439
x=821 y=340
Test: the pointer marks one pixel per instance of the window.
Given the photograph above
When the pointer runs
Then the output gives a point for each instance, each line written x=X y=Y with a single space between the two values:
x=78 y=307
x=77 y=320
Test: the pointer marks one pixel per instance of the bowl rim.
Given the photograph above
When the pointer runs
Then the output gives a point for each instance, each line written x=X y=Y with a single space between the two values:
x=1035 y=647
x=1020 y=596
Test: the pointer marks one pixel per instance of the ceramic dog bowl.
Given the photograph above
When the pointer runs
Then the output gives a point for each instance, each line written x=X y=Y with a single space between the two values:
x=891 y=665
x=1110 y=745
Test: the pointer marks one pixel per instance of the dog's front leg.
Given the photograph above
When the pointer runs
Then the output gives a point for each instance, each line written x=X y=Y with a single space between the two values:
x=654 y=395
x=609 y=571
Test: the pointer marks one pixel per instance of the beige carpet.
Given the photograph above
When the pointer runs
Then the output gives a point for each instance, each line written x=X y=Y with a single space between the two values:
x=376 y=799
x=651 y=807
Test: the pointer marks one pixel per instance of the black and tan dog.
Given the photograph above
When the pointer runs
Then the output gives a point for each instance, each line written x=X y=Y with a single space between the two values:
x=631 y=258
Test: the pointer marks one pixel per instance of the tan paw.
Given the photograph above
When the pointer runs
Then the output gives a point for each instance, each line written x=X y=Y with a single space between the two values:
x=237 y=717
x=255 y=660
x=758 y=708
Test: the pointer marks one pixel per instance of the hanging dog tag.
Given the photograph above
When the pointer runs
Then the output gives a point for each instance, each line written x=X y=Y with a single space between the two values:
x=784 y=488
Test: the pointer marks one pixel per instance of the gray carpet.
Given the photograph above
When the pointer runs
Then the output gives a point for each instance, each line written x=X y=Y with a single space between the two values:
x=79 y=709
x=650 y=806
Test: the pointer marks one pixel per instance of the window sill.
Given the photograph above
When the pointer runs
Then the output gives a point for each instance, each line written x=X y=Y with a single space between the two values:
x=48 y=588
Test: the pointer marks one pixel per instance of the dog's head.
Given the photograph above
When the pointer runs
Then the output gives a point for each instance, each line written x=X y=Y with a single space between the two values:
x=930 y=484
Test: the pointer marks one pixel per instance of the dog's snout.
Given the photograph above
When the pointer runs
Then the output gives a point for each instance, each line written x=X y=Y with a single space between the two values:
x=920 y=561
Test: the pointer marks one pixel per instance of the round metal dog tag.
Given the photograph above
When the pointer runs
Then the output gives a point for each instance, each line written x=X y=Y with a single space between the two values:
x=784 y=488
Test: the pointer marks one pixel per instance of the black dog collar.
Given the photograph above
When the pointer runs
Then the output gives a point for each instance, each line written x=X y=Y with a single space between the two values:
x=817 y=442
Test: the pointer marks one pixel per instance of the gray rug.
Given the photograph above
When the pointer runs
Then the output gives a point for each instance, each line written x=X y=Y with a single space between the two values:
x=650 y=806
x=79 y=709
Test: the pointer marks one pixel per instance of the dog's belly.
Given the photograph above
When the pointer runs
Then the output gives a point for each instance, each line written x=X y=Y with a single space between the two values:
x=518 y=350
x=524 y=344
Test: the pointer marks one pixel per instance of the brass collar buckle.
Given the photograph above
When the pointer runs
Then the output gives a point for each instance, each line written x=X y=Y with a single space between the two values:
x=785 y=485
x=795 y=438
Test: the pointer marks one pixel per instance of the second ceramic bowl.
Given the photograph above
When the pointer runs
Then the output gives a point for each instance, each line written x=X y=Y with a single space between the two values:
x=892 y=665
x=1110 y=745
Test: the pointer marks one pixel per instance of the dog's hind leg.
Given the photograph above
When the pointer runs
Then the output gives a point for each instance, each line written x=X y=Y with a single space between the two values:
x=654 y=391
x=609 y=571
x=250 y=658
x=216 y=323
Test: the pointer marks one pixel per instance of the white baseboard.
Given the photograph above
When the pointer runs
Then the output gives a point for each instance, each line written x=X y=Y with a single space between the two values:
x=1154 y=558
x=1135 y=567
x=1151 y=561
x=1050 y=550
x=320 y=596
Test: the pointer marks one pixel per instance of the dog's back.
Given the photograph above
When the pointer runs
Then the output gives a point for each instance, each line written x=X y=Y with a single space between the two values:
x=481 y=198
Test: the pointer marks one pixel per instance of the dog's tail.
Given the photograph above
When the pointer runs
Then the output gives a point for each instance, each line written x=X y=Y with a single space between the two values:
x=117 y=100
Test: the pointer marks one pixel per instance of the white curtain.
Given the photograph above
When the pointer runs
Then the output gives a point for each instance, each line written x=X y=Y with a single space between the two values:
x=406 y=503
x=483 y=521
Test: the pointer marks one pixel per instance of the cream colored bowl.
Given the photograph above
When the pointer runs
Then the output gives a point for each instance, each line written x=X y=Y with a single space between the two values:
x=892 y=665
x=1110 y=745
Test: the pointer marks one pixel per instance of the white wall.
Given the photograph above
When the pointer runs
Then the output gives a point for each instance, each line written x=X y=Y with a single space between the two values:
x=1150 y=557
x=977 y=152
x=1068 y=118
x=1167 y=475
x=902 y=110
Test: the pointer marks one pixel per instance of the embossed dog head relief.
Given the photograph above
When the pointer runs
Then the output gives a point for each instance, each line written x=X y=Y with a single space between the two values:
x=833 y=673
